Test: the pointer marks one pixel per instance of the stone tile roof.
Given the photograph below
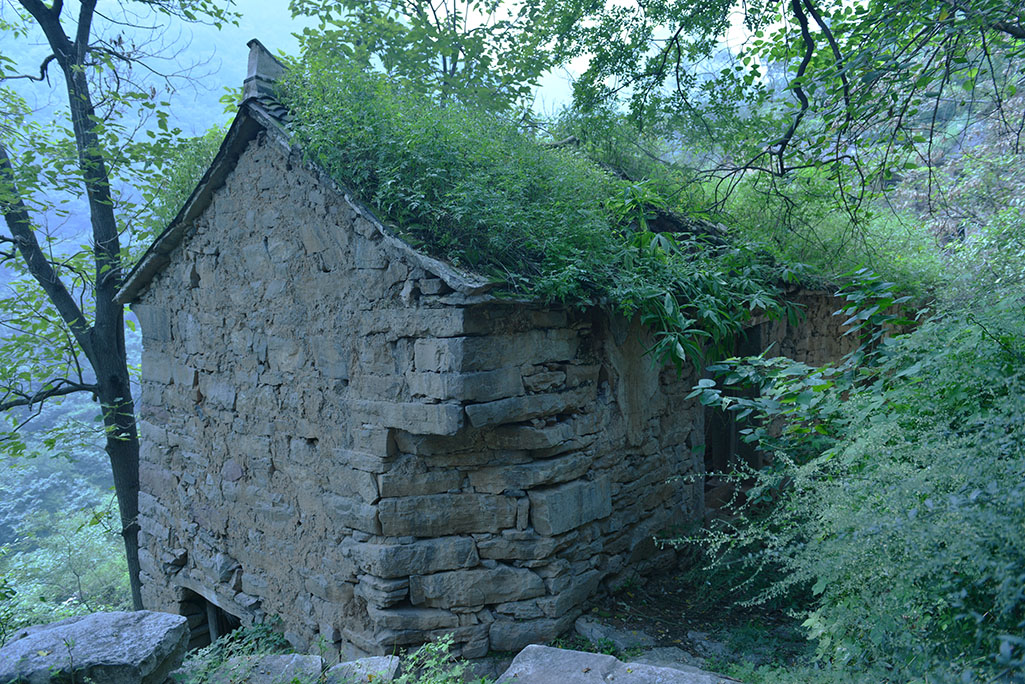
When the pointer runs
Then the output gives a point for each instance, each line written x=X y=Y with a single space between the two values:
x=272 y=108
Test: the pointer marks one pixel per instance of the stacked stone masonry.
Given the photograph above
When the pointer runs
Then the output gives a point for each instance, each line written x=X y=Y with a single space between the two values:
x=335 y=437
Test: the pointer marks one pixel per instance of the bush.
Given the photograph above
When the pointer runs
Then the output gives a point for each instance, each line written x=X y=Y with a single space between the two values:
x=64 y=565
x=7 y=594
x=433 y=664
x=231 y=658
x=465 y=185
x=905 y=519
x=799 y=221
x=991 y=259
x=182 y=165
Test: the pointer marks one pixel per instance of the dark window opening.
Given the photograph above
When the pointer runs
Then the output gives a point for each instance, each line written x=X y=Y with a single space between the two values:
x=207 y=621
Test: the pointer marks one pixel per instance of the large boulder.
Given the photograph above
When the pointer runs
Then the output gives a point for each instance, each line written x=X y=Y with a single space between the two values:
x=546 y=665
x=142 y=647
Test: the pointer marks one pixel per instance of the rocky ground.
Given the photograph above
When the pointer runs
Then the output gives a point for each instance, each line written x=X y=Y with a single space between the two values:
x=664 y=630
x=676 y=614
x=670 y=622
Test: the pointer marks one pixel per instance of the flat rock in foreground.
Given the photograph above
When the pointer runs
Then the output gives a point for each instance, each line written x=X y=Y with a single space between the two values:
x=546 y=665
x=139 y=647
x=278 y=669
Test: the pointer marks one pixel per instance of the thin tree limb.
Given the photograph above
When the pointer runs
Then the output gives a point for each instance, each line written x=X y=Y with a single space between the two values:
x=64 y=388
x=837 y=56
x=12 y=205
x=809 y=51
x=1013 y=30
x=571 y=140
x=42 y=71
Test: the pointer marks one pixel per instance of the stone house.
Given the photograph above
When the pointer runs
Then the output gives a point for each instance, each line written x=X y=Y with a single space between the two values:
x=348 y=436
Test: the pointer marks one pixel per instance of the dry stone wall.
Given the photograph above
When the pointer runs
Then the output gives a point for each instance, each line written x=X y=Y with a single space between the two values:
x=335 y=436
x=818 y=336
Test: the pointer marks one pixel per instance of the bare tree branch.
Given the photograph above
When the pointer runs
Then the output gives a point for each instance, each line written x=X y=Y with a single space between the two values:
x=809 y=52
x=1013 y=30
x=571 y=140
x=61 y=388
x=837 y=56
x=43 y=75
x=48 y=19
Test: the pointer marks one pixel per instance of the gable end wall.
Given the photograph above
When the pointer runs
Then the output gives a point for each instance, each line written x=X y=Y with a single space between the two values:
x=334 y=438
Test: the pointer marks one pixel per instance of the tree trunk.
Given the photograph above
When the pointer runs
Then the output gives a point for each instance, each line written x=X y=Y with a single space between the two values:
x=109 y=360
x=122 y=447
x=105 y=346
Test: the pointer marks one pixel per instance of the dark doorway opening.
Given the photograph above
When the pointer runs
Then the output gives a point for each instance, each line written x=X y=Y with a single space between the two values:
x=207 y=621
x=725 y=447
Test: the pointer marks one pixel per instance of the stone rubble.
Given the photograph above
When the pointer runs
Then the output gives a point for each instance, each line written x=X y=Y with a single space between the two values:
x=279 y=669
x=670 y=656
x=598 y=633
x=144 y=648
x=708 y=646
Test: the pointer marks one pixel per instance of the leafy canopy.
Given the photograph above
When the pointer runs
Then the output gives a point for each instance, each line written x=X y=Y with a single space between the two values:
x=855 y=88
x=812 y=111
x=490 y=52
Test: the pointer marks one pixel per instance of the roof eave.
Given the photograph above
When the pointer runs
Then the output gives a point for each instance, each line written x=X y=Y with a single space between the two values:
x=243 y=129
x=252 y=118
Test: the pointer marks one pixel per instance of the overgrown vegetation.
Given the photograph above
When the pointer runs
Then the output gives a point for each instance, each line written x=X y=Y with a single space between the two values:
x=59 y=531
x=543 y=222
x=433 y=664
x=231 y=658
x=7 y=609
x=895 y=499
x=65 y=565
x=795 y=220
x=184 y=163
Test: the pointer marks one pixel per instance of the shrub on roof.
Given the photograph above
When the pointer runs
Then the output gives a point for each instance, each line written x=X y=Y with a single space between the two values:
x=546 y=223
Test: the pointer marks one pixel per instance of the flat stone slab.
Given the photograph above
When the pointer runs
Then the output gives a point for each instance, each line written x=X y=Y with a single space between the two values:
x=670 y=656
x=596 y=632
x=374 y=669
x=140 y=647
x=279 y=669
x=267 y=669
x=546 y=665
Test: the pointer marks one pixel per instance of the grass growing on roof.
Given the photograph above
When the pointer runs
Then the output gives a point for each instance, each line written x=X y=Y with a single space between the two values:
x=545 y=222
